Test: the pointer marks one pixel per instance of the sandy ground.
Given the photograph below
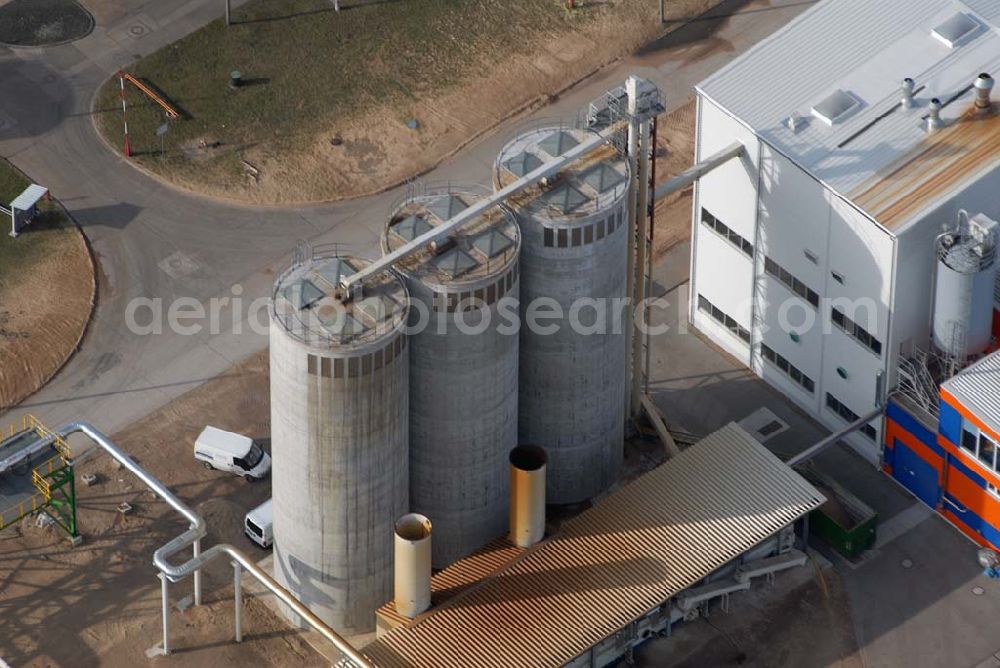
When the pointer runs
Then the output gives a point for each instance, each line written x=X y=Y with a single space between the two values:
x=43 y=315
x=675 y=153
x=378 y=151
x=98 y=604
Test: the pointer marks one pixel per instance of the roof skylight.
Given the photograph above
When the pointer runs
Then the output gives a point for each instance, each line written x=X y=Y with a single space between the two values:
x=956 y=30
x=836 y=107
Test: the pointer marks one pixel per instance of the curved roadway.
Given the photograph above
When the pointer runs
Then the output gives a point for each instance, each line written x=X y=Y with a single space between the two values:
x=152 y=241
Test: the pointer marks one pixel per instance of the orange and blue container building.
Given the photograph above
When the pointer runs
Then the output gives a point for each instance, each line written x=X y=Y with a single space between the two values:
x=952 y=463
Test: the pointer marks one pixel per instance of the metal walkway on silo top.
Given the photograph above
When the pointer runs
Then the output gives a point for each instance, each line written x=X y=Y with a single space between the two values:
x=36 y=474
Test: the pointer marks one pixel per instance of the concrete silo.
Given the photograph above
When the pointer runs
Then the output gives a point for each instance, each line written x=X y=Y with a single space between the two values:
x=966 y=275
x=463 y=367
x=574 y=251
x=339 y=409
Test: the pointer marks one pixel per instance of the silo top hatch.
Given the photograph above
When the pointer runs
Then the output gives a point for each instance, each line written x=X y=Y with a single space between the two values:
x=481 y=250
x=309 y=304
x=592 y=184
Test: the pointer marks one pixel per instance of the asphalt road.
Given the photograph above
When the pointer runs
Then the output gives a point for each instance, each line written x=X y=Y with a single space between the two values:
x=153 y=241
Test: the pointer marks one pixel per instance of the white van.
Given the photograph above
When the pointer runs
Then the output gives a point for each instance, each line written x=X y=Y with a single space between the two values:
x=234 y=453
x=258 y=525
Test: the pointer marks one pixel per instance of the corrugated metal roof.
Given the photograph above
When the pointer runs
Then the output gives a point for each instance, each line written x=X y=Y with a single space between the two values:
x=613 y=563
x=866 y=49
x=978 y=389
x=29 y=197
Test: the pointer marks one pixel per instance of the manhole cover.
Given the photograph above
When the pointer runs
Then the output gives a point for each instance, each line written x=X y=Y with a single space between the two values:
x=906 y=563
x=137 y=30
x=978 y=591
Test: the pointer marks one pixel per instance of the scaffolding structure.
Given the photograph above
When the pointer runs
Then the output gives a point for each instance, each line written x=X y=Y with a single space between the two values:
x=30 y=447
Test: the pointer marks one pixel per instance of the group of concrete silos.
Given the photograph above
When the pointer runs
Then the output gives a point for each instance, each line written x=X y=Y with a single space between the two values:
x=371 y=421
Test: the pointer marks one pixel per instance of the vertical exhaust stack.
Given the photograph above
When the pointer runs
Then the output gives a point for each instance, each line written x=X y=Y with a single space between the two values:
x=983 y=86
x=907 y=93
x=413 y=565
x=527 y=488
x=934 y=122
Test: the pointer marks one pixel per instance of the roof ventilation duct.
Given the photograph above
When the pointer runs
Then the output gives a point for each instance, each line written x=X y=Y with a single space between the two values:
x=934 y=121
x=907 y=93
x=983 y=86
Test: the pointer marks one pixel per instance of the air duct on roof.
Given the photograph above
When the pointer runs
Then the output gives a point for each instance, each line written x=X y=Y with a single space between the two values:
x=907 y=91
x=934 y=121
x=983 y=86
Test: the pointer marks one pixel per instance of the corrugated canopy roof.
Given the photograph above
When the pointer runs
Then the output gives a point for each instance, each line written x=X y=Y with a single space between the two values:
x=978 y=389
x=865 y=49
x=29 y=197
x=613 y=563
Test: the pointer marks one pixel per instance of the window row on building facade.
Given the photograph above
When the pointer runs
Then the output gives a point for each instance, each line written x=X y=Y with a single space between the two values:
x=847 y=415
x=723 y=319
x=787 y=368
x=726 y=232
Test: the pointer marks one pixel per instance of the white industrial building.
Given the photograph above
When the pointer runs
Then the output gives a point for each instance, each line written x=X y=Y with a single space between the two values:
x=849 y=176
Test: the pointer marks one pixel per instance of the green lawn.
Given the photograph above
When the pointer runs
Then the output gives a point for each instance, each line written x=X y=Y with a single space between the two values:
x=307 y=66
x=18 y=255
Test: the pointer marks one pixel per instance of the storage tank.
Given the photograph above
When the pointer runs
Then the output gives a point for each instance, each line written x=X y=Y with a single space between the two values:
x=463 y=366
x=966 y=275
x=574 y=242
x=339 y=392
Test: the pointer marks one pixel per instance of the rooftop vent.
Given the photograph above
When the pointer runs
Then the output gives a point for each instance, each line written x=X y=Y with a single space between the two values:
x=956 y=30
x=836 y=107
x=455 y=263
x=558 y=143
x=523 y=163
x=447 y=207
x=411 y=227
x=795 y=122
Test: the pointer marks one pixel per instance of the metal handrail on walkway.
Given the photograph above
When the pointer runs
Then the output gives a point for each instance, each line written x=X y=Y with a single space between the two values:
x=192 y=537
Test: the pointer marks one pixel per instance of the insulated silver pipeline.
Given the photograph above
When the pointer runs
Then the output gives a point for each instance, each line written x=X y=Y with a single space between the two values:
x=198 y=530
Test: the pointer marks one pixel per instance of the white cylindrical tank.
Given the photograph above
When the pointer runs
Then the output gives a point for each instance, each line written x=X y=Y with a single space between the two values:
x=573 y=259
x=339 y=393
x=963 y=298
x=413 y=546
x=463 y=367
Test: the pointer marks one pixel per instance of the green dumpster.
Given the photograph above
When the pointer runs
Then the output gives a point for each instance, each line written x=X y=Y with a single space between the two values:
x=845 y=522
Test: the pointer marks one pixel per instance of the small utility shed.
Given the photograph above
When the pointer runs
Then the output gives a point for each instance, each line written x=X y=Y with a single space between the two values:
x=698 y=527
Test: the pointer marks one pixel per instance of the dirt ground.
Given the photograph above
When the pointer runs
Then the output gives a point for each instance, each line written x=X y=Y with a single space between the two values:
x=44 y=306
x=795 y=622
x=376 y=149
x=98 y=604
x=675 y=153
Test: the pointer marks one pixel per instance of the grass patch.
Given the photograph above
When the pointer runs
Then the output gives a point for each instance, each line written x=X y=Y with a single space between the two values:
x=309 y=69
x=50 y=228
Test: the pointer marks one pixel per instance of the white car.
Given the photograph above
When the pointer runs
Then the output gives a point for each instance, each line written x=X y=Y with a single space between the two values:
x=233 y=453
x=258 y=525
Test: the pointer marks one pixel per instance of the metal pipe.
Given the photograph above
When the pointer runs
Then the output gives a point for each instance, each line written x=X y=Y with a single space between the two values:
x=907 y=93
x=196 y=549
x=238 y=599
x=632 y=153
x=695 y=172
x=166 y=612
x=198 y=530
x=641 y=268
x=822 y=445
x=934 y=121
x=474 y=211
x=983 y=86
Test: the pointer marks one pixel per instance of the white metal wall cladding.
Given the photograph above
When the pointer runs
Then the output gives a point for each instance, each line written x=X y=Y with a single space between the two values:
x=613 y=563
x=978 y=389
